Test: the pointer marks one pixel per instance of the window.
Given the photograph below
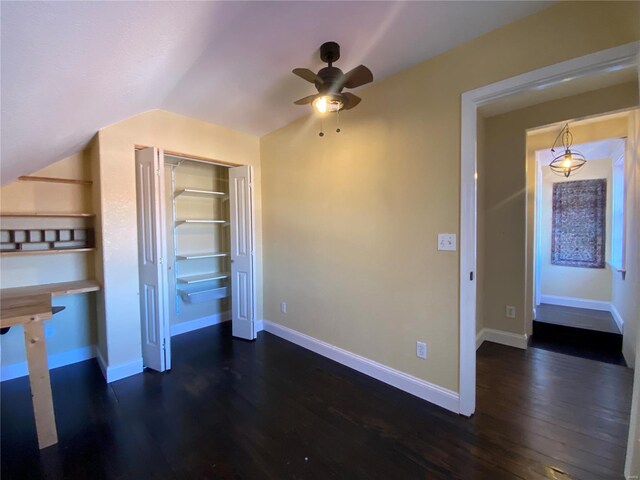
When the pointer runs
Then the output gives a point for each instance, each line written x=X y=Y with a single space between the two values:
x=618 y=200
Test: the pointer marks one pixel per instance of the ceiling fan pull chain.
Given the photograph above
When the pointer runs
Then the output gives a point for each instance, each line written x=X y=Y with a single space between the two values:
x=338 y=121
x=321 y=134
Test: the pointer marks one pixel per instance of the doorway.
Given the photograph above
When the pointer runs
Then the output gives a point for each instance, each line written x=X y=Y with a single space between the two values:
x=579 y=240
x=589 y=66
x=600 y=63
x=196 y=249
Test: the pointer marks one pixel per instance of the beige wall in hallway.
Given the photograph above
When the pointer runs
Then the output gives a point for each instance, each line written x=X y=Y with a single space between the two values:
x=509 y=195
x=351 y=220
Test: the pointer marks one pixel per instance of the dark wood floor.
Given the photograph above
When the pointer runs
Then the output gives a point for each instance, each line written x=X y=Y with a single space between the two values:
x=270 y=409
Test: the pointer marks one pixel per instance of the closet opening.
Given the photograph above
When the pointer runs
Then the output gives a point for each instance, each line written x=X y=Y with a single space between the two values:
x=195 y=249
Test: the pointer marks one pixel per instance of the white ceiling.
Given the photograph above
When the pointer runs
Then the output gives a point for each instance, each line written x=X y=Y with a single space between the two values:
x=71 y=68
x=592 y=151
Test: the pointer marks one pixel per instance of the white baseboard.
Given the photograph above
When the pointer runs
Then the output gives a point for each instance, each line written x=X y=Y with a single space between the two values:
x=113 y=373
x=617 y=317
x=259 y=325
x=503 y=338
x=55 y=360
x=198 y=323
x=576 y=302
x=420 y=388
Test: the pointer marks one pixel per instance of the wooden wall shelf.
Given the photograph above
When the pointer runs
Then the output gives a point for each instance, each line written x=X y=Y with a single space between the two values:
x=53 y=289
x=45 y=252
x=46 y=214
x=72 y=181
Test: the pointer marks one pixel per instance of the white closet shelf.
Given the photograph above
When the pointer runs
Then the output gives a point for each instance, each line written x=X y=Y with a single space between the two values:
x=204 y=295
x=203 y=220
x=201 y=193
x=205 y=277
x=192 y=256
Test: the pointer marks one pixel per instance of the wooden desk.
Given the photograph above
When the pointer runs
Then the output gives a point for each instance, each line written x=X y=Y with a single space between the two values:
x=29 y=306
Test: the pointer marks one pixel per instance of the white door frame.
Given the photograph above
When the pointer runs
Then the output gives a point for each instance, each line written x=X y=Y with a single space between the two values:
x=624 y=56
x=537 y=237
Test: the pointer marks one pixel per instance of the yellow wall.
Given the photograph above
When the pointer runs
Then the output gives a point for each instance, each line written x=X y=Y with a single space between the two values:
x=75 y=327
x=120 y=344
x=351 y=220
x=573 y=282
x=509 y=195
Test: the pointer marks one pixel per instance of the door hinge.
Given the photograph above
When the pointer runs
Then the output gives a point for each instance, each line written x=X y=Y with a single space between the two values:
x=157 y=172
x=471 y=276
x=161 y=260
x=164 y=351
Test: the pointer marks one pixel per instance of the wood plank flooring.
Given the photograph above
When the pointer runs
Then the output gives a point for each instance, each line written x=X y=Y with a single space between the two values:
x=270 y=409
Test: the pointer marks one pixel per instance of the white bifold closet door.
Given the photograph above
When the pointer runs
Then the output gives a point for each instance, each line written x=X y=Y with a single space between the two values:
x=152 y=255
x=242 y=252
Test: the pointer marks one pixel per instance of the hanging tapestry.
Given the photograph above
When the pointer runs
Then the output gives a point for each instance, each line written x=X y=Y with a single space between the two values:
x=579 y=223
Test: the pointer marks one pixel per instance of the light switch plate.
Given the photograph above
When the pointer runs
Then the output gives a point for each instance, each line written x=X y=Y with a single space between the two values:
x=421 y=350
x=447 y=242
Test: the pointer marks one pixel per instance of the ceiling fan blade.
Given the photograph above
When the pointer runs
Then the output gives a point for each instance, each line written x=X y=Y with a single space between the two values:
x=305 y=100
x=360 y=75
x=307 y=75
x=352 y=100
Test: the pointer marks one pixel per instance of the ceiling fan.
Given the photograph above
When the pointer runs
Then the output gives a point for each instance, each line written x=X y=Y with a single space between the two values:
x=330 y=81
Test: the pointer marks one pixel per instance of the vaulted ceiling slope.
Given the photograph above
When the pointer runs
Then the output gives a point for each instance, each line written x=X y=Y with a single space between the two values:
x=71 y=68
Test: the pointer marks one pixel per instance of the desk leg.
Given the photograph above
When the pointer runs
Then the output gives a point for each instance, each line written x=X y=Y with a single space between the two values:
x=40 y=383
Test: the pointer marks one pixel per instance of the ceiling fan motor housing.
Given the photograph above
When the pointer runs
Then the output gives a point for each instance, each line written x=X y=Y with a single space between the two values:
x=331 y=80
x=329 y=52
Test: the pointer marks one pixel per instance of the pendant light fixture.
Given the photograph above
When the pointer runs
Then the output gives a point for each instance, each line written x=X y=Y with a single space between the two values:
x=569 y=161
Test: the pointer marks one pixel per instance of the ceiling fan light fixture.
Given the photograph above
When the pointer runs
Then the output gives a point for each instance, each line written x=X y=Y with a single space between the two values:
x=330 y=82
x=328 y=104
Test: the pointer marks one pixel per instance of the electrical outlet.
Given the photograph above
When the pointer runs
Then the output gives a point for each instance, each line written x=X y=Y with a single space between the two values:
x=447 y=242
x=511 y=311
x=283 y=307
x=421 y=350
